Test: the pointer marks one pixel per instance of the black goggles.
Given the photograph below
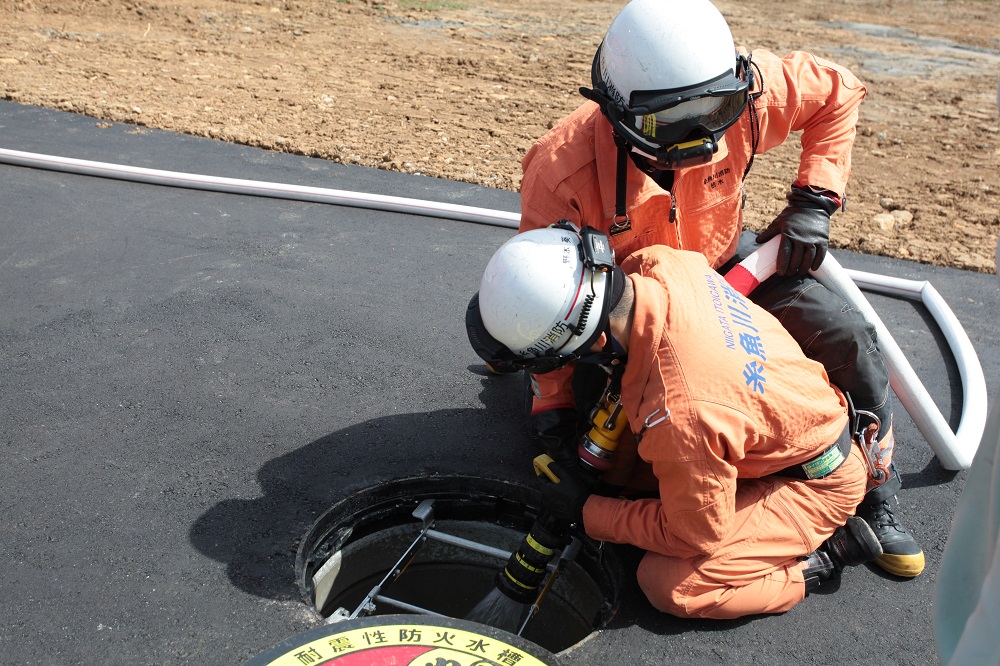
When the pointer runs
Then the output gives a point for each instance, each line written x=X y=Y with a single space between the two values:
x=666 y=127
x=671 y=116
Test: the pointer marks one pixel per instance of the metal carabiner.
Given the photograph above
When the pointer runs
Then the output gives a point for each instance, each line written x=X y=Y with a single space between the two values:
x=867 y=440
x=648 y=423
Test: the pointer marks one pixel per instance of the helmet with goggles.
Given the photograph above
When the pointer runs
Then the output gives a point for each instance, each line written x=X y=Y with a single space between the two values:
x=544 y=300
x=669 y=80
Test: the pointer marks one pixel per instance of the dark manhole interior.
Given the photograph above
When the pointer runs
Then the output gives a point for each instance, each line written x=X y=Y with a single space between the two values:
x=356 y=544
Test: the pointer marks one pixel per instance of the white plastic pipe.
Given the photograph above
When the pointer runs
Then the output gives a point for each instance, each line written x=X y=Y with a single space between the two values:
x=261 y=188
x=954 y=449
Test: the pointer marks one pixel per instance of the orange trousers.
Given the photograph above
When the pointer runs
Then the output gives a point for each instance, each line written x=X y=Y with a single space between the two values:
x=758 y=568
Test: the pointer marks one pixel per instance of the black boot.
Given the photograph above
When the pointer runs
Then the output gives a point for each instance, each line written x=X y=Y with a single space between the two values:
x=850 y=545
x=902 y=555
x=820 y=572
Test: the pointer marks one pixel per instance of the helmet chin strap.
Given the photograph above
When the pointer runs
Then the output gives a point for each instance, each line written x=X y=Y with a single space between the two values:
x=675 y=156
x=688 y=153
x=611 y=359
x=611 y=354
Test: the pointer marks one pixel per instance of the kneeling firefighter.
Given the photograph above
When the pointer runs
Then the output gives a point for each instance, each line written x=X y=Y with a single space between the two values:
x=744 y=478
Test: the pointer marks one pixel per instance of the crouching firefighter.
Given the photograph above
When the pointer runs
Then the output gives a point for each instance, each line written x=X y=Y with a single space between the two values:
x=744 y=479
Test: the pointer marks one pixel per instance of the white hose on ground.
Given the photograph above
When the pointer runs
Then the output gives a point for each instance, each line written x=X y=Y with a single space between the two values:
x=261 y=188
x=955 y=450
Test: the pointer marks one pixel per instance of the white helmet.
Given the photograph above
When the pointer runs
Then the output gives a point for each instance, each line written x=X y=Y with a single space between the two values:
x=669 y=79
x=544 y=298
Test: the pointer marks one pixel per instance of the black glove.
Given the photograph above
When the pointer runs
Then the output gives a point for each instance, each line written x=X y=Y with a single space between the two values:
x=556 y=430
x=565 y=500
x=804 y=226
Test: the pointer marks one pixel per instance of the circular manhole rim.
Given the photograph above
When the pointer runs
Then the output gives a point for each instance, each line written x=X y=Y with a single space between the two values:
x=367 y=510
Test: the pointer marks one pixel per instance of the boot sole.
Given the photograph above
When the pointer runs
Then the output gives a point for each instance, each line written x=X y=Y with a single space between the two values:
x=905 y=566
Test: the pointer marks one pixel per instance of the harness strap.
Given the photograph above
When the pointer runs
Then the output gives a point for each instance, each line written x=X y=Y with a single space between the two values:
x=754 y=118
x=621 y=223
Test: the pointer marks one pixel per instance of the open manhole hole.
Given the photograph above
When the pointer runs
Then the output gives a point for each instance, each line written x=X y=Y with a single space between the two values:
x=434 y=545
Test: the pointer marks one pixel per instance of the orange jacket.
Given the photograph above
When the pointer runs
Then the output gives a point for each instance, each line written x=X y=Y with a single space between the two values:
x=742 y=401
x=570 y=172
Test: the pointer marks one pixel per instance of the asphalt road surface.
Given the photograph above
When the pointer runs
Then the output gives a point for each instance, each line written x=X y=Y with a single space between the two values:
x=191 y=378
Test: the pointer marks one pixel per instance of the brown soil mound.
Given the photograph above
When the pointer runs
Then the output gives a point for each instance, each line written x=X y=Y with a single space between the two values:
x=459 y=90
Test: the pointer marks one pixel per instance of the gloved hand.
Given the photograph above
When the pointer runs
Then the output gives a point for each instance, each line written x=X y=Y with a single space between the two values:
x=565 y=500
x=804 y=226
x=556 y=431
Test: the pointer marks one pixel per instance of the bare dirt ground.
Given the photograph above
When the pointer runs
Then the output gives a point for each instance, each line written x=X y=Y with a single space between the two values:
x=459 y=89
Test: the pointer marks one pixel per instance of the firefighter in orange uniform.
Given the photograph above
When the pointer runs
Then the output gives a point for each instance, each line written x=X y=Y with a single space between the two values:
x=659 y=155
x=756 y=476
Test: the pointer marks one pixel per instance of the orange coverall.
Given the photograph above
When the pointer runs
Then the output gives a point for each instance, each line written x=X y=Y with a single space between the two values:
x=570 y=173
x=742 y=401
